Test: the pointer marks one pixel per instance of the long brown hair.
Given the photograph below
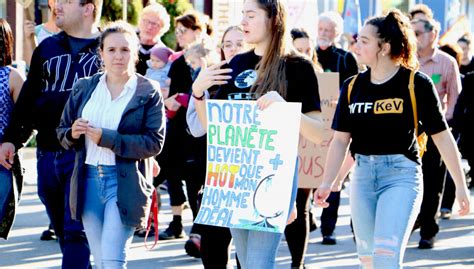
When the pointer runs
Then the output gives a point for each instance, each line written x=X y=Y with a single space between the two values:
x=6 y=43
x=271 y=68
x=395 y=29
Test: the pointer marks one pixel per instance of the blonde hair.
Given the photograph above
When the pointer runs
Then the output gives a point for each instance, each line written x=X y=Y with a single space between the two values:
x=159 y=11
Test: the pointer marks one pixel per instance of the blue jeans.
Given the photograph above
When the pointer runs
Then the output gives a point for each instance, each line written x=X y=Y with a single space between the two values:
x=54 y=176
x=257 y=249
x=108 y=237
x=6 y=189
x=386 y=194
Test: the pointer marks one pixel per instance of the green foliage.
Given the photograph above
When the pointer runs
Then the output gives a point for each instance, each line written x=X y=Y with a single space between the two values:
x=175 y=8
x=112 y=10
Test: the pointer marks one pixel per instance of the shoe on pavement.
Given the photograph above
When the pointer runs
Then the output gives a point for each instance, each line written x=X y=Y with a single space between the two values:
x=193 y=246
x=445 y=213
x=426 y=243
x=329 y=240
x=48 y=235
x=174 y=231
x=142 y=232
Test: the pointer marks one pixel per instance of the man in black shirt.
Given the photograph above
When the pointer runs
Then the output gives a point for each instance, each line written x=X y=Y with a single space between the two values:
x=333 y=59
x=57 y=63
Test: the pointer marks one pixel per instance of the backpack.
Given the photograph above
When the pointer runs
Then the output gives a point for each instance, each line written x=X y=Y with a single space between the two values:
x=422 y=139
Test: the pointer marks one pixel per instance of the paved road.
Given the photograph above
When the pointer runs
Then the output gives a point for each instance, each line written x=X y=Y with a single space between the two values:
x=454 y=248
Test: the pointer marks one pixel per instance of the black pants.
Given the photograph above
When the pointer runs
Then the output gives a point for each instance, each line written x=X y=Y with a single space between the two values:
x=449 y=193
x=215 y=242
x=329 y=215
x=297 y=232
x=434 y=175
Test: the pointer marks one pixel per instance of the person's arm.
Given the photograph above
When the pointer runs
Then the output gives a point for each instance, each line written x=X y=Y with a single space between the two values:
x=21 y=122
x=29 y=42
x=335 y=157
x=453 y=87
x=7 y=150
x=192 y=119
x=67 y=131
x=446 y=145
x=16 y=81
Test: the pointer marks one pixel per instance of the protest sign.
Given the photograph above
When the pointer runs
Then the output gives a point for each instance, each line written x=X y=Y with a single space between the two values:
x=312 y=157
x=251 y=162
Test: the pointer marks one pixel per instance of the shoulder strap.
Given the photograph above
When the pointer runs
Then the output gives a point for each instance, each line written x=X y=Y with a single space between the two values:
x=411 y=87
x=349 y=89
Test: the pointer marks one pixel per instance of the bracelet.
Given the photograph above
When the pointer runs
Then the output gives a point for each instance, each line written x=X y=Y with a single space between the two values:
x=199 y=98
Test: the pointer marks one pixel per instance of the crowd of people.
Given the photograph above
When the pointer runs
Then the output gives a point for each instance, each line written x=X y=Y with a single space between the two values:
x=119 y=114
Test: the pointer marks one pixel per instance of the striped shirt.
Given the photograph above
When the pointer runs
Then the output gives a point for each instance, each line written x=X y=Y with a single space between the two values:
x=103 y=112
x=443 y=70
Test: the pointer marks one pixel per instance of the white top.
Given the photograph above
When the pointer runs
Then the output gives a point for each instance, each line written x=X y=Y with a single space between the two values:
x=103 y=112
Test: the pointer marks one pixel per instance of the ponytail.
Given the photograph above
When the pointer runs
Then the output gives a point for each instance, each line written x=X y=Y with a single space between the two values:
x=395 y=29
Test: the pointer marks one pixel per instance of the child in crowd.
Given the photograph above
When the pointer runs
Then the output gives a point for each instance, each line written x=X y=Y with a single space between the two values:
x=159 y=66
x=199 y=52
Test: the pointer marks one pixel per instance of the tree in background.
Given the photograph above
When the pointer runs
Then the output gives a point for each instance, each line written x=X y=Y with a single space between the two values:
x=112 y=10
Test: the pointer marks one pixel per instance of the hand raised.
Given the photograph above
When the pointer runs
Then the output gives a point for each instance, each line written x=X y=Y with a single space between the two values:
x=210 y=76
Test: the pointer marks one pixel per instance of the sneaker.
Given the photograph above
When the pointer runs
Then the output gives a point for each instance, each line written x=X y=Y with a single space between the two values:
x=426 y=243
x=445 y=213
x=193 y=246
x=141 y=232
x=48 y=235
x=174 y=231
x=329 y=240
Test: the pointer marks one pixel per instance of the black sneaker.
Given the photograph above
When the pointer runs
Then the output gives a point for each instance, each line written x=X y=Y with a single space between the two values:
x=426 y=243
x=48 y=235
x=193 y=246
x=142 y=232
x=174 y=231
x=329 y=240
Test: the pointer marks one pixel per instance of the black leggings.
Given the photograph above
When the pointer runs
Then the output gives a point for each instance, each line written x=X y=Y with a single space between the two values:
x=297 y=232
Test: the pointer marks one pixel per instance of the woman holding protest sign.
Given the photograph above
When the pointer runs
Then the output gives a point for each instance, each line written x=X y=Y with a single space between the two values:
x=215 y=241
x=379 y=114
x=272 y=72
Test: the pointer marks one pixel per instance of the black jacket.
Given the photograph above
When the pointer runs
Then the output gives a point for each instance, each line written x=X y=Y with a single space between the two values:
x=53 y=72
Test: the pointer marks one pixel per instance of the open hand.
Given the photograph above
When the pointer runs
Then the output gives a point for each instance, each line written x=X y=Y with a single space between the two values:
x=210 y=76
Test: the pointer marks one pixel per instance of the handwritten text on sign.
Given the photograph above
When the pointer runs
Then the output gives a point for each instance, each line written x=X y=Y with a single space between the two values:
x=251 y=158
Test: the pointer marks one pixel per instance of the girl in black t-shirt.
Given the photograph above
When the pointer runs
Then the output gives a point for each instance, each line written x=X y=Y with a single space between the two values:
x=386 y=186
x=269 y=73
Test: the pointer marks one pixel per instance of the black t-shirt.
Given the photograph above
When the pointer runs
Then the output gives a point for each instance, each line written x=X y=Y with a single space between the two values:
x=380 y=117
x=300 y=74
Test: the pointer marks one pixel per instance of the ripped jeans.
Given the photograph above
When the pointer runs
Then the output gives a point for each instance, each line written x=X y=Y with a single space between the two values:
x=385 y=198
